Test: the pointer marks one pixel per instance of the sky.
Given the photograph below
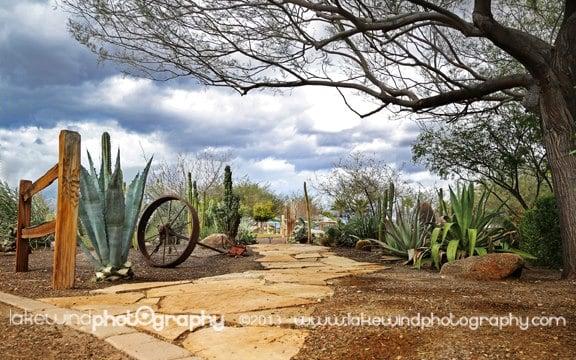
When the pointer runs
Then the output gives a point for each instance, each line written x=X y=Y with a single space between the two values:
x=49 y=82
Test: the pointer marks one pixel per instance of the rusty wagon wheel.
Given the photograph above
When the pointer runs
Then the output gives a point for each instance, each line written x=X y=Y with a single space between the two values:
x=168 y=231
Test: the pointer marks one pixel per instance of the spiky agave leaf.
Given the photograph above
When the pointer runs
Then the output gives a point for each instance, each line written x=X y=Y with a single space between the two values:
x=115 y=213
x=97 y=262
x=134 y=195
x=91 y=212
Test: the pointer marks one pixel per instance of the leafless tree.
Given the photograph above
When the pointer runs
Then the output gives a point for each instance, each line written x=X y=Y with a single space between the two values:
x=357 y=181
x=206 y=167
x=442 y=57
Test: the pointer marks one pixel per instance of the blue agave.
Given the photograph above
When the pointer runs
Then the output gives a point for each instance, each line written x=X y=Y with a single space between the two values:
x=108 y=214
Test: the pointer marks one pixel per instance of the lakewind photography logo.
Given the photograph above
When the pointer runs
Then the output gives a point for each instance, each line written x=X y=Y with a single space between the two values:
x=144 y=316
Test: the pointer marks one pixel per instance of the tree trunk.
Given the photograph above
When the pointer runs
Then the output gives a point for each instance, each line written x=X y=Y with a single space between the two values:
x=559 y=131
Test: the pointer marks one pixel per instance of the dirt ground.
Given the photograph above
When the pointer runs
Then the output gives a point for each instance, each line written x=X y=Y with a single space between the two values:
x=404 y=291
x=37 y=282
x=49 y=342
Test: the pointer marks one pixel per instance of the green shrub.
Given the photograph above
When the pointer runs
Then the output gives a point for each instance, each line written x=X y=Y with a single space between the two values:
x=245 y=234
x=540 y=233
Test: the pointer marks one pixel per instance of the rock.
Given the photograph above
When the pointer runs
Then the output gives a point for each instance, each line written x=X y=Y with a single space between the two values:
x=252 y=342
x=216 y=240
x=496 y=266
x=365 y=245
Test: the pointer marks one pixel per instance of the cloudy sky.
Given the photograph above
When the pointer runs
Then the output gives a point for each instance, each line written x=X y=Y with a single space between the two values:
x=48 y=82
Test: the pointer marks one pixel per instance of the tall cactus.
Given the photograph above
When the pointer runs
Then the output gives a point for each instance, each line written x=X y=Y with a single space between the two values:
x=108 y=214
x=308 y=214
x=385 y=210
x=193 y=199
x=228 y=212
x=105 y=163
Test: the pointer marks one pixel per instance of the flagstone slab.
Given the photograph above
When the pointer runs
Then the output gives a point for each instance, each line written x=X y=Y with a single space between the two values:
x=270 y=317
x=313 y=255
x=208 y=287
x=113 y=310
x=240 y=343
x=227 y=301
x=276 y=258
x=172 y=330
x=339 y=261
x=292 y=265
x=249 y=274
x=103 y=299
x=137 y=286
x=145 y=347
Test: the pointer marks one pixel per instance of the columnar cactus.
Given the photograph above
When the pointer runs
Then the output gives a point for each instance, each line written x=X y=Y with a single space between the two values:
x=308 y=214
x=228 y=211
x=193 y=198
x=108 y=214
x=385 y=209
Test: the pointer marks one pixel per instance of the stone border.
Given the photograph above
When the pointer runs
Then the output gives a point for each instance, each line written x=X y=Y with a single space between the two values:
x=130 y=341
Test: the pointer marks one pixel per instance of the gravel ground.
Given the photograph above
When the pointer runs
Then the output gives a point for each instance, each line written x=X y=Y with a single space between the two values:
x=49 y=342
x=37 y=282
x=405 y=291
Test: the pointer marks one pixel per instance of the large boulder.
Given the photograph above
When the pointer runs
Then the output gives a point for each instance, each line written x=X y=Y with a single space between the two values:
x=496 y=266
x=217 y=241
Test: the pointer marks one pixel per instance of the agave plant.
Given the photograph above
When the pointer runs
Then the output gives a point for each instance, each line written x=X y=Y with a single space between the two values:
x=470 y=228
x=474 y=229
x=406 y=235
x=108 y=214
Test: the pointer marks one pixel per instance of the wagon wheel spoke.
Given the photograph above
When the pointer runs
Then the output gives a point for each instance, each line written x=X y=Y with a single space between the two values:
x=153 y=236
x=177 y=215
x=179 y=227
x=169 y=211
x=156 y=248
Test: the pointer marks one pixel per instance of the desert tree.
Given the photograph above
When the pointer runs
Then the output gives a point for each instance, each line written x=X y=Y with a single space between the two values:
x=435 y=57
x=502 y=150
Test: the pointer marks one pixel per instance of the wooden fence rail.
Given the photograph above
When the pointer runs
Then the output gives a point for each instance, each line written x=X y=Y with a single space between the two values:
x=64 y=227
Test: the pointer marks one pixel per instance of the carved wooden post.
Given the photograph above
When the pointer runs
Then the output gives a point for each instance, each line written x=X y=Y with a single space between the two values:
x=24 y=215
x=67 y=211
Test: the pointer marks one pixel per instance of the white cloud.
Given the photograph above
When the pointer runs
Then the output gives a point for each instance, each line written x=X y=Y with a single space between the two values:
x=27 y=152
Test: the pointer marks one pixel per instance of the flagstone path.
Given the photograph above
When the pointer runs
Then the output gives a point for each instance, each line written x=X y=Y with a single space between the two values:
x=258 y=307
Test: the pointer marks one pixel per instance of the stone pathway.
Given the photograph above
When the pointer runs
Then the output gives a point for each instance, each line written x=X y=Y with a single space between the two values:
x=258 y=307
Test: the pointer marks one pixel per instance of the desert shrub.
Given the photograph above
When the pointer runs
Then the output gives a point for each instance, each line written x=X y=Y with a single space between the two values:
x=540 y=233
x=245 y=234
x=358 y=227
x=300 y=234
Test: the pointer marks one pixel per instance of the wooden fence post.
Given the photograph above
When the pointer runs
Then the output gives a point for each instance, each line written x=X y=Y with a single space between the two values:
x=24 y=215
x=63 y=273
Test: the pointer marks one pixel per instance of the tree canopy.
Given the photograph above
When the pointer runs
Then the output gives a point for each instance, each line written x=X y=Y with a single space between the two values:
x=494 y=149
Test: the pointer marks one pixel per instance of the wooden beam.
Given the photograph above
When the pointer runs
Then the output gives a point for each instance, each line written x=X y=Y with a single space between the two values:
x=67 y=211
x=42 y=183
x=39 y=230
x=24 y=215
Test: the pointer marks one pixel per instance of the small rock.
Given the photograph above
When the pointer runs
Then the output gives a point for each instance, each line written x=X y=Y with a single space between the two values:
x=216 y=240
